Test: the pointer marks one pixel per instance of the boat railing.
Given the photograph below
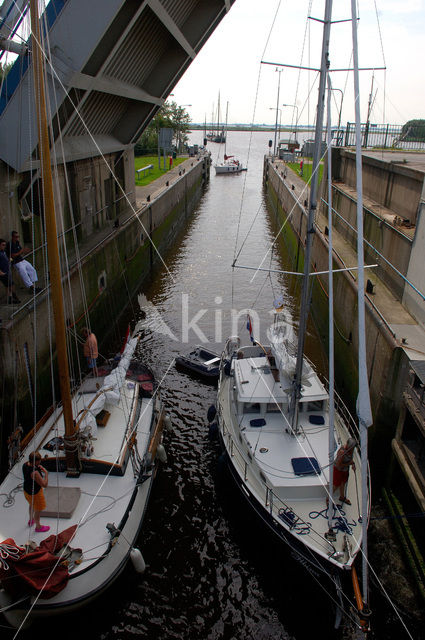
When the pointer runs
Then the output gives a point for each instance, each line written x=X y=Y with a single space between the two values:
x=275 y=505
x=342 y=410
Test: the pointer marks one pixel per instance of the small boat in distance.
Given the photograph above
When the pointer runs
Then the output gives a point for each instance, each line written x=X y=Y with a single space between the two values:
x=230 y=164
x=201 y=362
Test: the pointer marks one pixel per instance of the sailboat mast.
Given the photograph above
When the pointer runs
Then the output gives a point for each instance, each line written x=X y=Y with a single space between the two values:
x=305 y=295
x=225 y=132
x=52 y=241
x=364 y=411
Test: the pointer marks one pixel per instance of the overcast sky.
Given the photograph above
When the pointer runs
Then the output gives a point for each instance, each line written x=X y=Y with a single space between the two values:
x=391 y=33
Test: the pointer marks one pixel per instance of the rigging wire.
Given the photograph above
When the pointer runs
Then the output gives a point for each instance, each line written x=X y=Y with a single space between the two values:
x=250 y=139
x=70 y=305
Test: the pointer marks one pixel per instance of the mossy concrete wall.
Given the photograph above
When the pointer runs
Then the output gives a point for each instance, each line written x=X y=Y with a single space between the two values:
x=387 y=363
x=101 y=283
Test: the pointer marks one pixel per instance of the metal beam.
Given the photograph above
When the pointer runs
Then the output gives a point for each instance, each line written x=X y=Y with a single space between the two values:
x=106 y=84
x=161 y=13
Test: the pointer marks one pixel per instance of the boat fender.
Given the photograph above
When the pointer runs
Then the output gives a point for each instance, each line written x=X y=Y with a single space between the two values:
x=211 y=413
x=147 y=461
x=161 y=453
x=213 y=431
x=167 y=422
x=137 y=559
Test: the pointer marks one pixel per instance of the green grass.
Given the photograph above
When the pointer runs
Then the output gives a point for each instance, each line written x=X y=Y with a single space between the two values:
x=143 y=161
x=295 y=166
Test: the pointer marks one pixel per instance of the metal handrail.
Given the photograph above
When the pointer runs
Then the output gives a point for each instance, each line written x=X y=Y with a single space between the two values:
x=272 y=500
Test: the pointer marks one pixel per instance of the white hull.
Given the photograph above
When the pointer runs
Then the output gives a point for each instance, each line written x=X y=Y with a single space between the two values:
x=293 y=505
x=105 y=498
x=228 y=167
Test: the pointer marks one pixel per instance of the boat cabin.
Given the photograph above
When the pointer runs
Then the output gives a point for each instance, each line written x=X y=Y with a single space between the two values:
x=287 y=148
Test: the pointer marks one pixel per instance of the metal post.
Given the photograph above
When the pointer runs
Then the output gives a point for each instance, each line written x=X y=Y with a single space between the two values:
x=305 y=296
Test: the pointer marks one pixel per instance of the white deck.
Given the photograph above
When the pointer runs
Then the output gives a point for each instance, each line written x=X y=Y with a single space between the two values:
x=104 y=498
x=261 y=455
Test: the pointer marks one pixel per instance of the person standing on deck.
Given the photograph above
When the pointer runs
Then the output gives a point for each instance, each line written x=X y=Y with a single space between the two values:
x=343 y=462
x=90 y=350
x=35 y=479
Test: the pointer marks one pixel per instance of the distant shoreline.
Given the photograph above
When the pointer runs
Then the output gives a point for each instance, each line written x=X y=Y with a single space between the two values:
x=249 y=127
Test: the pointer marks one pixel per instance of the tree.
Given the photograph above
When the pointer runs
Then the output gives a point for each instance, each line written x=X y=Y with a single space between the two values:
x=171 y=116
x=413 y=131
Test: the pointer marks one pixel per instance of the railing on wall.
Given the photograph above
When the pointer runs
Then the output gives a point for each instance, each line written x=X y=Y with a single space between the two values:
x=382 y=136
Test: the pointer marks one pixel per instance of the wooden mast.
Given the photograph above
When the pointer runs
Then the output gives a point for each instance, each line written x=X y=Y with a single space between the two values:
x=52 y=244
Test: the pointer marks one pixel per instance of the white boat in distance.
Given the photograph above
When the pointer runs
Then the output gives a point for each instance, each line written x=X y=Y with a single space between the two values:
x=230 y=165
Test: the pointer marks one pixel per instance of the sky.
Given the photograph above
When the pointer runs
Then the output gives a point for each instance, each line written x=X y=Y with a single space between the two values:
x=390 y=34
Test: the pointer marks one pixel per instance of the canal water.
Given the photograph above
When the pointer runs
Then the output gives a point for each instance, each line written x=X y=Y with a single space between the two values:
x=212 y=572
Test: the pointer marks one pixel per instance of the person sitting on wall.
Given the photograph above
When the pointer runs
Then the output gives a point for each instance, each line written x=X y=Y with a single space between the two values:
x=24 y=268
x=6 y=274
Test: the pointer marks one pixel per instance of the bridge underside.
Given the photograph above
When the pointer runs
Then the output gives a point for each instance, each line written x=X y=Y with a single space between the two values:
x=110 y=66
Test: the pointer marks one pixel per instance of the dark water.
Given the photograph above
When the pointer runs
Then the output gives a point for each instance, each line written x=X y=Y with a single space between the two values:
x=213 y=573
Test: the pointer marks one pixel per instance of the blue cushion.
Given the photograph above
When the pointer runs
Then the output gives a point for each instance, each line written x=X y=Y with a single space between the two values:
x=305 y=466
x=257 y=422
x=316 y=419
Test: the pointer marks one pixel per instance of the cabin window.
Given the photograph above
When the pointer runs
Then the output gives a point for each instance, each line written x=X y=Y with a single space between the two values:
x=251 y=407
x=273 y=407
x=315 y=406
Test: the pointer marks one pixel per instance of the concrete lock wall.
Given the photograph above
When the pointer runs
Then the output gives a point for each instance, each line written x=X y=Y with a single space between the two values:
x=388 y=241
x=392 y=184
x=387 y=363
x=111 y=269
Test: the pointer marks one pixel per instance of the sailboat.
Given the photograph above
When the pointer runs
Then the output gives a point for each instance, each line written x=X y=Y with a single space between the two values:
x=230 y=163
x=219 y=135
x=100 y=445
x=281 y=427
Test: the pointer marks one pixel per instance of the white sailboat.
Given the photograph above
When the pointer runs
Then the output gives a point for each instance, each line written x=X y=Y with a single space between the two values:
x=230 y=164
x=100 y=447
x=281 y=427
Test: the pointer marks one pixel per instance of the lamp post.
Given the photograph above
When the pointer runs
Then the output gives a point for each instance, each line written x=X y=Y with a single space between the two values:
x=279 y=71
x=340 y=112
x=296 y=121
x=278 y=119
x=178 y=122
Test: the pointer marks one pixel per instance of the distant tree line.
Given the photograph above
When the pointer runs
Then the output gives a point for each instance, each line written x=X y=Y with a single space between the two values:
x=413 y=131
x=170 y=116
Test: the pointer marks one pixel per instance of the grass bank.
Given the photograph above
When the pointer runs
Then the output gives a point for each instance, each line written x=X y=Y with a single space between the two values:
x=306 y=174
x=150 y=175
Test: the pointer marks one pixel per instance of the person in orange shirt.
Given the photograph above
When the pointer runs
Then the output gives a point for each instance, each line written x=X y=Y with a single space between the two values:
x=35 y=479
x=90 y=350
